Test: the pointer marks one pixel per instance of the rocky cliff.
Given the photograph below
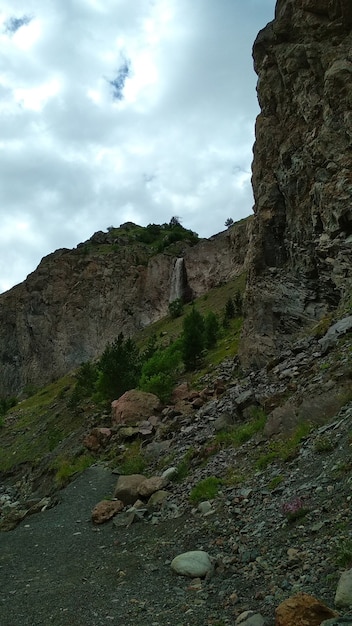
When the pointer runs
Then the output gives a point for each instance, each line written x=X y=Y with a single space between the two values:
x=302 y=180
x=77 y=300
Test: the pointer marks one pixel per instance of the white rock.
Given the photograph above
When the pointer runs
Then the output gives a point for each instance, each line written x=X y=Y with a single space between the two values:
x=194 y=564
x=204 y=507
x=169 y=473
x=249 y=618
x=343 y=596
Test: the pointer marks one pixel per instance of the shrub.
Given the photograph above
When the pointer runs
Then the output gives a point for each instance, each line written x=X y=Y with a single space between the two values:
x=176 y=308
x=206 y=489
x=159 y=372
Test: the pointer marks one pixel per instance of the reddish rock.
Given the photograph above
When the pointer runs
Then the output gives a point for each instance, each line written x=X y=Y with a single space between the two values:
x=127 y=488
x=197 y=403
x=91 y=443
x=134 y=406
x=105 y=510
x=180 y=393
x=302 y=610
x=97 y=438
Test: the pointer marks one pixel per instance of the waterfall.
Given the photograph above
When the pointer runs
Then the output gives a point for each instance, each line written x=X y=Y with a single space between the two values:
x=177 y=280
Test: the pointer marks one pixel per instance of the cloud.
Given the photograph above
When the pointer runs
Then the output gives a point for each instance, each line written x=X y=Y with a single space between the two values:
x=110 y=114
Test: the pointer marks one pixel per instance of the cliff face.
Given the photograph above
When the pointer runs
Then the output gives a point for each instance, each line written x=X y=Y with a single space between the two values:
x=302 y=174
x=76 y=301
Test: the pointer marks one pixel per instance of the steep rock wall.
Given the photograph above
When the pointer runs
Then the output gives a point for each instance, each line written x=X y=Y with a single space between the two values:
x=76 y=301
x=302 y=176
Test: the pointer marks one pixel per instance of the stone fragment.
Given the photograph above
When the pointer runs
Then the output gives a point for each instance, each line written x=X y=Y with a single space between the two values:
x=250 y=618
x=302 y=610
x=223 y=422
x=180 y=393
x=194 y=564
x=97 y=438
x=169 y=473
x=204 y=507
x=127 y=488
x=157 y=499
x=134 y=406
x=105 y=510
x=343 y=596
x=128 y=432
x=150 y=486
x=334 y=333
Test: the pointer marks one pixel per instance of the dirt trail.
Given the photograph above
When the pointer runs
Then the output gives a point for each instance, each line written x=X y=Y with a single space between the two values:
x=57 y=568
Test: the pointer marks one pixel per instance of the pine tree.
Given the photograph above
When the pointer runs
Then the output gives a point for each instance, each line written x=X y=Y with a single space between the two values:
x=193 y=339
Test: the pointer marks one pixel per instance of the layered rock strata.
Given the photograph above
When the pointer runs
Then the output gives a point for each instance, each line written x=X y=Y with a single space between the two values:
x=301 y=253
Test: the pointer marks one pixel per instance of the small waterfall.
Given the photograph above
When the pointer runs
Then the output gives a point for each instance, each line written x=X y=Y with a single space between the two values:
x=178 y=280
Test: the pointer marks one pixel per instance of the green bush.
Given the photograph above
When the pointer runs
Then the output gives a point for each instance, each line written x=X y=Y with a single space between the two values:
x=176 y=308
x=193 y=339
x=159 y=372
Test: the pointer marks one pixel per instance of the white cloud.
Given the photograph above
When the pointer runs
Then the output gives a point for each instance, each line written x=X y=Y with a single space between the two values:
x=76 y=160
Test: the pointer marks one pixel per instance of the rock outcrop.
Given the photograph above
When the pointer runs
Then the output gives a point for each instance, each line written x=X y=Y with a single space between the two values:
x=301 y=249
x=78 y=300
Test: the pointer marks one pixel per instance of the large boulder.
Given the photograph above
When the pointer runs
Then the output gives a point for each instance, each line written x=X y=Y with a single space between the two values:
x=302 y=610
x=127 y=488
x=194 y=564
x=134 y=406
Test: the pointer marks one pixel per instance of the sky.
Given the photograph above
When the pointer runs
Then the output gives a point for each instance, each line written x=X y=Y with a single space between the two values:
x=122 y=110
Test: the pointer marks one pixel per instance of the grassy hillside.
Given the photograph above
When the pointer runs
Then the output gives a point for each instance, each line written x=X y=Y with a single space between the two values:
x=43 y=431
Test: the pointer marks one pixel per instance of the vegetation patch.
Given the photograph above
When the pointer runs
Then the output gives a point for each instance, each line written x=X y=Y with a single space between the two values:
x=284 y=450
x=206 y=489
x=132 y=461
x=67 y=468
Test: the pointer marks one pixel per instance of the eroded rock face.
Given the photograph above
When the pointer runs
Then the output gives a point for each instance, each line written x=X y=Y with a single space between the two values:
x=301 y=250
x=77 y=301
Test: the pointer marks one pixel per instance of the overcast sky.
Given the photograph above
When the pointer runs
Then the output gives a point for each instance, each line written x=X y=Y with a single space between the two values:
x=122 y=110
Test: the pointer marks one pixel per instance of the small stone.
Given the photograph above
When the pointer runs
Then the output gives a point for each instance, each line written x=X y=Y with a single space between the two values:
x=250 y=618
x=157 y=499
x=204 y=507
x=169 y=473
x=194 y=564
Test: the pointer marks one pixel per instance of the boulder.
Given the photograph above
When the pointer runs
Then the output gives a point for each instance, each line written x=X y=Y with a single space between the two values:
x=134 y=406
x=302 y=610
x=127 y=488
x=194 y=564
x=151 y=485
x=97 y=438
x=343 y=596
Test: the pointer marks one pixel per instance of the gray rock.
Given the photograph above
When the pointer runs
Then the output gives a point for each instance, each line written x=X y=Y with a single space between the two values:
x=194 y=564
x=204 y=507
x=343 y=596
x=335 y=331
x=250 y=618
x=169 y=473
